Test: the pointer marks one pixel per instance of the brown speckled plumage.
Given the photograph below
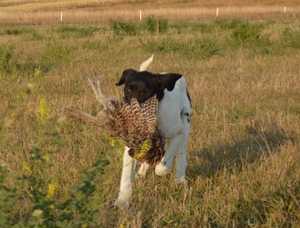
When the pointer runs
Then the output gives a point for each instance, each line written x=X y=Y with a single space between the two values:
x=134 y=124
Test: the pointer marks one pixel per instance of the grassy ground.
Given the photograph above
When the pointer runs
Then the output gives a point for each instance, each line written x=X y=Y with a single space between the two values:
x=243 y=155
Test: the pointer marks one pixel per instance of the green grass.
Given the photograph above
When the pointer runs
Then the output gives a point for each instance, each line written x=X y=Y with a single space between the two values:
x=243 y=155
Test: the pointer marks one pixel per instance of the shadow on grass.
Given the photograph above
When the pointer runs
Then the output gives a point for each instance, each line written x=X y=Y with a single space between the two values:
x=234 y=156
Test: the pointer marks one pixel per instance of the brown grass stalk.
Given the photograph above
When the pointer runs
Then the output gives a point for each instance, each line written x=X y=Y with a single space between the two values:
x=172 y=14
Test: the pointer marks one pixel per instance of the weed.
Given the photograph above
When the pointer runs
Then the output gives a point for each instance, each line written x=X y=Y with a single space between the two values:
x=156 y=26
x=34 y=35
x=123 y=28
x=226 y=24
x=195 y=48
x=13 y=32
x=94 y=45
x=245 y=32
x=202 y=27
x=29 y=66
x=54 y=53
x=68 y=31
x=201 y=48
x=39 y=187
x=290 y=38
x=240 y=111
x=167 y=44
x=7 y=196
x=6 y=57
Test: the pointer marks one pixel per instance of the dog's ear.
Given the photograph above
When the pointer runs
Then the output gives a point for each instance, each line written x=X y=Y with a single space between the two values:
x=167 y=80
x=125 y=75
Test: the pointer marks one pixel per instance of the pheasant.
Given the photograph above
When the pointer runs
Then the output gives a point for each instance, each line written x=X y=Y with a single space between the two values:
x=133 y=123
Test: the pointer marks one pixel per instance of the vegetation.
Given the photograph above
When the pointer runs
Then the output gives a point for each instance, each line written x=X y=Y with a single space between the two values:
x=47 y=12
x=243 y=155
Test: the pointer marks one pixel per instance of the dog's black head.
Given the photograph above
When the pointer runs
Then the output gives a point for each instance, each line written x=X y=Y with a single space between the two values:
x=143 y=85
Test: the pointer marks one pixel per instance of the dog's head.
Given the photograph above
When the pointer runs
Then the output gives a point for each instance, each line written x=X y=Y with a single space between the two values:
x=143 y=85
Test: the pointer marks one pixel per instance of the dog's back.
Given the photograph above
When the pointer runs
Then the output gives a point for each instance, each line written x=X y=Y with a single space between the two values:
x=175 y=106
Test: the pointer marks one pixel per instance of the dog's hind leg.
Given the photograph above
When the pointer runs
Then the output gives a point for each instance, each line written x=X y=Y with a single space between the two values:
x=126 y=180
x=143 y=170
x=181 y=160
x=166 y=163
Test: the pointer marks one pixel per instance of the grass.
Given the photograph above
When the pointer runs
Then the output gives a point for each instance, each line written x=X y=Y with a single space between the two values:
x=243 y=155
x=91 y=11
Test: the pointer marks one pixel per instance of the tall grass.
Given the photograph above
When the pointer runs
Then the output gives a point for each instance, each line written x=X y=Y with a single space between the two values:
x=96 y=12
x=243 y=154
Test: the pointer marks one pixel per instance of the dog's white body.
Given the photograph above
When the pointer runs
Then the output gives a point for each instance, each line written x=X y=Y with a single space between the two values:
x=174 y=113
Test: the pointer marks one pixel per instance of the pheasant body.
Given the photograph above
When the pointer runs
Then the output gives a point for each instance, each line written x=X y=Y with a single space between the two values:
x=134 y=124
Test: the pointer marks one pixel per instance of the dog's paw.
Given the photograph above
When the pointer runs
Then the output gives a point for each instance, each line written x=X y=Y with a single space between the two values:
x=124 y=198
x=181 y=181
x=161 y=170
x=139 y=176
x=121 y=204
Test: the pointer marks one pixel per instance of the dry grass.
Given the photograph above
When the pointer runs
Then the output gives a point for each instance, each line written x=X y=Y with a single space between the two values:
x=18 y=5
x=49 y=12
x=243 y=155
x=172 y=14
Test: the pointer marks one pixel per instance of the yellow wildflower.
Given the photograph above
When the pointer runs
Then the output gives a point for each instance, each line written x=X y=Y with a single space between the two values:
x=37 y=72
x=51 y=189
x=143 y=149
x=112 y=141
x=26 y=167
x=43 y=109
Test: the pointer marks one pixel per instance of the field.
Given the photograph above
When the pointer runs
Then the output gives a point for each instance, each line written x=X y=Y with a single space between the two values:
x=243 y=153
x=45 y=12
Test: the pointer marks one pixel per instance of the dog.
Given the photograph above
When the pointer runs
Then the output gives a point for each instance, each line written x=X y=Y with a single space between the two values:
x=174 y=113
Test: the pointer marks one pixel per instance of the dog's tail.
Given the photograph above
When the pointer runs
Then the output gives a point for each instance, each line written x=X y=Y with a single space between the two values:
x=144 y=66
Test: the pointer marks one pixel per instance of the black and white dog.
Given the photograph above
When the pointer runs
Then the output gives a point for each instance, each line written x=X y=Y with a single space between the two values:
x=174 y=113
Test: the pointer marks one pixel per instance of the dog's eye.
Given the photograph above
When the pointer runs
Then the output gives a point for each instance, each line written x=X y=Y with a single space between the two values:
x=128 y=91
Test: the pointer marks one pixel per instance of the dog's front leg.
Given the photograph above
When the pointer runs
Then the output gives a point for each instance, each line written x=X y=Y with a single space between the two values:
x=127 y=179
x=166 y=163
